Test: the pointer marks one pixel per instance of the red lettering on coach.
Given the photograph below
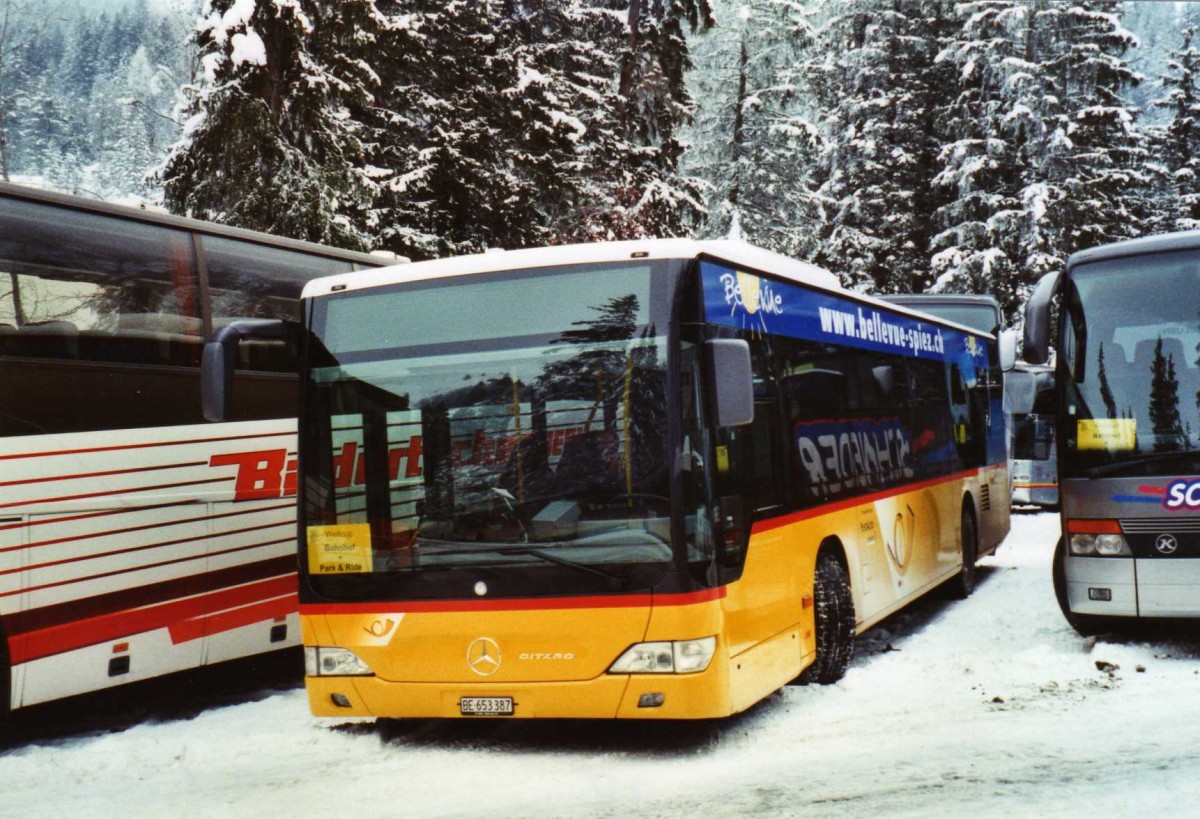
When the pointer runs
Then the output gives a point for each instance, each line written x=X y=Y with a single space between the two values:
x=271 y=473
x=260 y=474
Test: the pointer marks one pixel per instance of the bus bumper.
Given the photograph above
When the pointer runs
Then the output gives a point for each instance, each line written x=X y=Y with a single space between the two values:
x=1168 y=588
x=1101 y=585
x=642 y=696
x=1137 y=588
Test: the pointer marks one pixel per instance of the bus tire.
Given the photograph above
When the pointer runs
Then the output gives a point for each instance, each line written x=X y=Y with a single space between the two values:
x=964 y=583
x=833 y=606
x=1084 y=626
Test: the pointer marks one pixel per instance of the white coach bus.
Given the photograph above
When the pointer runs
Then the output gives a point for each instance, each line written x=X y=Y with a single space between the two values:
x=136 y=540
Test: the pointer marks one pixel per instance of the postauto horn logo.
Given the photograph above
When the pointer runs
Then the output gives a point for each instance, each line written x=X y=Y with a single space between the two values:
x=1182 y=495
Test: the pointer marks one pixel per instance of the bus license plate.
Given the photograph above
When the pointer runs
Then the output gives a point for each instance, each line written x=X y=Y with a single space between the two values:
x=486 y=706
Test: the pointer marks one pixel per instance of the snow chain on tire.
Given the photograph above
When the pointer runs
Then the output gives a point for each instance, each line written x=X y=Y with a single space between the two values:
x=834 y=616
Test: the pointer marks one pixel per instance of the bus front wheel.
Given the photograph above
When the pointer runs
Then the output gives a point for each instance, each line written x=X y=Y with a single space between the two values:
x=833 y=607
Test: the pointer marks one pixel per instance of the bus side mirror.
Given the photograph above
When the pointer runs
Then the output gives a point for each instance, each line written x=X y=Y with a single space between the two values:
x=1008 y=350
x=219 y=361
x=733 y=381
x=1037 y=319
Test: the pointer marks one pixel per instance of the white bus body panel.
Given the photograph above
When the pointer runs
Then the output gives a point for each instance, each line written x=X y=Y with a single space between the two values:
x=1168 y=588
x=1113 y=573
x=134 y=553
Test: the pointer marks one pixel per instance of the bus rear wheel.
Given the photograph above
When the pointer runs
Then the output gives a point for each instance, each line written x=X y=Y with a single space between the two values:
x=964 y=583
x=833 y=607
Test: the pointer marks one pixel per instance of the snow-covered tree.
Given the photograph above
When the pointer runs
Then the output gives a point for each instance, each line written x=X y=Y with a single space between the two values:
x=1043 y=155
x=488 y=123
x=1181 y=134
x=879 y=79
x=272 y=142
x=642 y=192
x=511 y=124
x=754 y=136
x=1094 y=157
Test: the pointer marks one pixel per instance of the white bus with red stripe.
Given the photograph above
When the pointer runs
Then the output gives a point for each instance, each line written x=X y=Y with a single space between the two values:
x=135 y=539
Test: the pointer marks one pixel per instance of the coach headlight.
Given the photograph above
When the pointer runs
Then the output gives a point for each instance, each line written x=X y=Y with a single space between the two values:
x=678 y=657
x=334 y=662
x=1112 y=546
x=1083 y=545
x=1105 y=545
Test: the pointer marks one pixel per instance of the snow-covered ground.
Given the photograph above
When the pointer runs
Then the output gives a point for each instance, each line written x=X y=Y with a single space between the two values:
x=989 y=707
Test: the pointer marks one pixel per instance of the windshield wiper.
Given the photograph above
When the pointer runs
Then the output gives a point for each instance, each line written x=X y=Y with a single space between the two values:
x=1105 y=470
x=621 y=582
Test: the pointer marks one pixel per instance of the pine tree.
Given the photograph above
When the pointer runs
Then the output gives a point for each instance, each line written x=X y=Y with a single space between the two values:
x=641 y=192
x=272 y=143
x=984 y=131
x=882 y=84
x=1091 y=156
x=755 y=137
x=1046 y=157
x=1181 y=136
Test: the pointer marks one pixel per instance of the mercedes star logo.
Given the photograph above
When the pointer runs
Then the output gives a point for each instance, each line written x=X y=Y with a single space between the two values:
x=1166 y=544
x=483 y=656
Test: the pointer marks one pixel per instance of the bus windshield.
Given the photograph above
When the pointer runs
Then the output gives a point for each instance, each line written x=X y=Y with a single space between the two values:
x=507 y=429
x=1132 y=402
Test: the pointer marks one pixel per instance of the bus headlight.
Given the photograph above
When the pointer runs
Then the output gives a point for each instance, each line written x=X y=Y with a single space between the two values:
x=678 y=657
x=1083 y=545
x=1107 y=545
x=334 y=662
x=1112 y=546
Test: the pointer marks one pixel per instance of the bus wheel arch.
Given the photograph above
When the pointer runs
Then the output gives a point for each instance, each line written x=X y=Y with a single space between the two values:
x=833 y=614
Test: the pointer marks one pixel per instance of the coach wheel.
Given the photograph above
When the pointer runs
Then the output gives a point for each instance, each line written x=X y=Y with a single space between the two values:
x=834 y=615
x=964 y=584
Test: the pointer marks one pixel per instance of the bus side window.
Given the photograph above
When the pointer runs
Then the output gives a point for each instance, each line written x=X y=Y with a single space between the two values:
x=932 y=429
x=80 y=289
x=115 y=292
x=818 y=391
x=251 y=281
x=968 y=407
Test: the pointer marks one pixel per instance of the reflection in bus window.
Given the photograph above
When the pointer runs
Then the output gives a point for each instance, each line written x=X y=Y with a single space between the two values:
x=95 y=299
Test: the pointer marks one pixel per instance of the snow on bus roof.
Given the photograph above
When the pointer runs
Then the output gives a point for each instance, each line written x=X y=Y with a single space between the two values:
x=733 y=251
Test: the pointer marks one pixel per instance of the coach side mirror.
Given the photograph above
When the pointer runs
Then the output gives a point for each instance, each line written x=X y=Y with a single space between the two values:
x=1008 y=350
x=733 y=381
x=219 y=361
x=1037 y=319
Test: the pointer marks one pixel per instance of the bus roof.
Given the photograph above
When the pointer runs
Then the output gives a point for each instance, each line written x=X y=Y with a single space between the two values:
x=1163 y=242
x=930 y=302
x=595 y=252
x=62 y=200
x=941 y=298
x=737 y=253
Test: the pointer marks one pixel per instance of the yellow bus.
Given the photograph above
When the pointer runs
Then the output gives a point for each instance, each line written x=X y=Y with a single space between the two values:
x=655 y=479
